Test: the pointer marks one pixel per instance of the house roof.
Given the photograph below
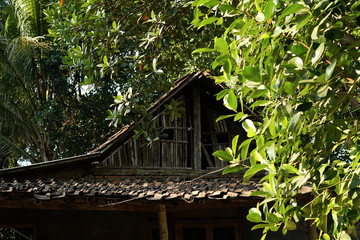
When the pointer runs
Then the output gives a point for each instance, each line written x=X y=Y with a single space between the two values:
x=133 y=188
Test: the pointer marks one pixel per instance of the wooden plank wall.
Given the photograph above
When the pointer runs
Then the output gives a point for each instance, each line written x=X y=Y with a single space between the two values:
x=177 y=149
x=170 y=151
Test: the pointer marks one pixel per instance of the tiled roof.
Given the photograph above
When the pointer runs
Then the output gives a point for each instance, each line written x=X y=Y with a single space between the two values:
x=144 y=188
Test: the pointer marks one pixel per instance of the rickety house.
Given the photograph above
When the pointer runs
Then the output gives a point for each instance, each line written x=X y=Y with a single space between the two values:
x=126 y=189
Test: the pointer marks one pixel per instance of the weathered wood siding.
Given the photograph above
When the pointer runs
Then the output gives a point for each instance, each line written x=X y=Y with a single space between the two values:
x=171 y=150
x=185 y=142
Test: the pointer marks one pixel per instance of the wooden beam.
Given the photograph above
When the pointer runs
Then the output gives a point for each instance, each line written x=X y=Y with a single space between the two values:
x=197 y=127
x=164 y=233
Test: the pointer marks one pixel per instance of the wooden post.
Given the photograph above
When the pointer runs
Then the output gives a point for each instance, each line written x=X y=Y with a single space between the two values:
x=164 y=233
x=197 y=127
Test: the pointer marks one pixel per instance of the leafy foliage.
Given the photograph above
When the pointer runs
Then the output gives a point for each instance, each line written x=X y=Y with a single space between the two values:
x=44 y=114
x=142 y=45
x=297 y=64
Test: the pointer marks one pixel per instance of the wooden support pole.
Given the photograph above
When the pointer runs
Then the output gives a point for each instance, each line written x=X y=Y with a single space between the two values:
x=164 y=233
x=197 y=127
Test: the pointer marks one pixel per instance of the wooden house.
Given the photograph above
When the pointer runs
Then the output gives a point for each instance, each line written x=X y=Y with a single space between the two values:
x=126 y=189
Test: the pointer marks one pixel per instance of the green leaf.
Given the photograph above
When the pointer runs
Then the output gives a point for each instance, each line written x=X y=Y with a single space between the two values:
x=326 y=236
x=212 y=3
x=222 y=117
x=252 y=74
x=223 y=155
x=259 y=226
x=272 y=128
x=261 y=103
x=208 y=21
x=226 y=8
x=355 y=181
x=318 y=53
x=271 y=151
x=221 y=45
x=289 y=169
x=114 y=25
x=288 y=87
x=105 y=60
x=315 y=33
x=153 y=15
x=299 y=180
x=297 y=62
x=290 y=225
x=227 y=69
x=322 y=91
x=201 y=50
x=330 y=69
x=249 y=127
x=234 y=144
x=245 y=148
x=254 y=169
x=272 y=218
x=197 y=13
x=232 y=169
x=230 y=101
x=303 y=21
x=222 y=94
x=254 y=215
x=260 y=17
x=220 y=60
x=240 y=116
x=294 y=120
x=293 y=8
x=344 y=236
x=269 y=9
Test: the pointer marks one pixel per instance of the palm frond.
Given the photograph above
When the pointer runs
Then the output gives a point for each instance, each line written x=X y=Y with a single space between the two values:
x=28 y=16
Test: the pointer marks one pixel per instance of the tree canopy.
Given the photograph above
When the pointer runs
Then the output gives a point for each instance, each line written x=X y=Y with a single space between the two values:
x=296 y=63
x=43 y=113
x=139 y=45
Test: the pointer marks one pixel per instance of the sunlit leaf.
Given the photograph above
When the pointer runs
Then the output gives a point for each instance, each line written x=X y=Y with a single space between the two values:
x=318 y=53
x=230 y=101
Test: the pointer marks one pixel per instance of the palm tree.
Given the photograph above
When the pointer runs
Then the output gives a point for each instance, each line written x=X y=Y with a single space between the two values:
x=24 y=88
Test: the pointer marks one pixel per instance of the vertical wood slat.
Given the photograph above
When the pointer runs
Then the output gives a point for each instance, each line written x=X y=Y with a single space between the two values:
x=131 y=153
x=197 y=128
